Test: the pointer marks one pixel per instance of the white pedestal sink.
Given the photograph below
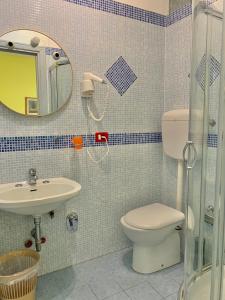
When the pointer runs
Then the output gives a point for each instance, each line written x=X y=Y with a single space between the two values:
x=45 y=196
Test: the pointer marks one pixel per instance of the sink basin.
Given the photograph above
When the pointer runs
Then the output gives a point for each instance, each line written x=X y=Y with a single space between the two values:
x=47 y=195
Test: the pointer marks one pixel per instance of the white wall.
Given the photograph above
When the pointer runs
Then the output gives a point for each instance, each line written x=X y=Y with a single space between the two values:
x=131 y=175
x=176 y=90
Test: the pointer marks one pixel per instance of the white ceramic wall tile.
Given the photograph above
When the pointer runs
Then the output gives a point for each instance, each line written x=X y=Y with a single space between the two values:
x=77 y=28
x=177 y=91
x=178 y=64
x=130 y=177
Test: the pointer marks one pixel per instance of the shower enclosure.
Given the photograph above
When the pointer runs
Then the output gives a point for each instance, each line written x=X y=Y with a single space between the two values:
x=205 y=158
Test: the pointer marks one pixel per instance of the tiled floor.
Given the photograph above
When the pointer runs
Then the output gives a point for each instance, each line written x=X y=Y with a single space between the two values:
x=110 y=278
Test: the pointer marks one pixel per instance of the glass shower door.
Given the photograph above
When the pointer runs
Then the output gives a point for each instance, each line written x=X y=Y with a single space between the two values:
x=202 y=267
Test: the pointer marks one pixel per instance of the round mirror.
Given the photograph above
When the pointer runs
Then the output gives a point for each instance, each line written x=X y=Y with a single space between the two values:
x=35 y=73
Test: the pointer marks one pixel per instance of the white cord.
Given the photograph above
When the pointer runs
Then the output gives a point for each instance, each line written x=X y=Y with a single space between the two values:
x=103 y=157
x=103 y=114
x=98 y=120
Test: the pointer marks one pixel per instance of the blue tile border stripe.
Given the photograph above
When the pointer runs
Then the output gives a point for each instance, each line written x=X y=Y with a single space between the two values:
x=178 y=15
x=31 y=143
x=124 y=10
x=139 y=14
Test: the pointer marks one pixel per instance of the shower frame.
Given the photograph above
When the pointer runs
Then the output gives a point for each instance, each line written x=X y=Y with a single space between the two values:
x=195 y=192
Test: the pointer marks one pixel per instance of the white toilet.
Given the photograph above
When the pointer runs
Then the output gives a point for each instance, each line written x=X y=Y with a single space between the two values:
x=153 y=228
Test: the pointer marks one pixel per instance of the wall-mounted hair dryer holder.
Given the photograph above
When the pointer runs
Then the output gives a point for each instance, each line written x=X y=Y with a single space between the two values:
x=87 y=84
x=87 y=92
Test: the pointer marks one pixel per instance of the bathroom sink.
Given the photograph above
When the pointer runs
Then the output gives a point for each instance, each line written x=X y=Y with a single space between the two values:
x=45 y=196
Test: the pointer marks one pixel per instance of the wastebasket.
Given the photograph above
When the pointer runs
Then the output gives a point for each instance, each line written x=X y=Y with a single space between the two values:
x=18 y=275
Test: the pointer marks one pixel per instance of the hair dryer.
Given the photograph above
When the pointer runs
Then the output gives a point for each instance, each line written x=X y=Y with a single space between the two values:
x=87 y=84
x=87 y=91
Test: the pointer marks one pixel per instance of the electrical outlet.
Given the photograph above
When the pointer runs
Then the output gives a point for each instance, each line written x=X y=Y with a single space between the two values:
x=101 y=137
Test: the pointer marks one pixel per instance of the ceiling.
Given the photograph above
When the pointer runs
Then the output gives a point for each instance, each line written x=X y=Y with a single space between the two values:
x=218 y=5
x=174 y=4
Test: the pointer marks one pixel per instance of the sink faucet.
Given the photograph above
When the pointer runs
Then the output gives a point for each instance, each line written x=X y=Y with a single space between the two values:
x=32 y=176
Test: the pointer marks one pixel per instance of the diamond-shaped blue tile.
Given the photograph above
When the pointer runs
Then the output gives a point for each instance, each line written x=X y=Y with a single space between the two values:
x=214 y=71
x=121 y=75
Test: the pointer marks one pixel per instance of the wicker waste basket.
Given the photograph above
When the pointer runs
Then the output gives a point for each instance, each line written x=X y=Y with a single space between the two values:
x=18 y=275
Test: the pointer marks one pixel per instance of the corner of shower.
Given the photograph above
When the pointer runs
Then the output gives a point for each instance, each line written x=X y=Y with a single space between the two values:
x=204 y=194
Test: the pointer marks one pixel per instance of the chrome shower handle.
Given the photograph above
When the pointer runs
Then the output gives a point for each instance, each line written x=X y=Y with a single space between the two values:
x=190 y=163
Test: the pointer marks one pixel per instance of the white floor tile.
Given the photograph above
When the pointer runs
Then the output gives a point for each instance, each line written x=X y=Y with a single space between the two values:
x=125 y=275
x=120 y=296
x=143 y=291
x=82 y=293
x=110 y=277
x=165 y=287
x=104 y=287
x=172 y=297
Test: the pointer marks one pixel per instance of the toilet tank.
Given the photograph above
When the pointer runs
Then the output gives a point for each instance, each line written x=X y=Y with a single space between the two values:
x=175 y=127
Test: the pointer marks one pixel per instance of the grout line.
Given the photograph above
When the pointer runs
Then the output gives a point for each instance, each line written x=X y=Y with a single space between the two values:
x=135 y=285
x=149 y=285
x=127 y=294
x=174 y=294
x=107 y=254
x=155 y=290
x=93 y=291
x=113 y=295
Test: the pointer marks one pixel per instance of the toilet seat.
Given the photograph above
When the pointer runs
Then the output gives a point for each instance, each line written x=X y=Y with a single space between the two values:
x=153 y=216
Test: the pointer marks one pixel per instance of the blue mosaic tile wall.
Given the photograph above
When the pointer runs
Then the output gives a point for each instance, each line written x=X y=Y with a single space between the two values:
x=133 y=120
x=120 y=75
x=213 y=140
x=123 y=10
x=31 y=143
x=136 y=13
x=178 y=15
x=214 y=71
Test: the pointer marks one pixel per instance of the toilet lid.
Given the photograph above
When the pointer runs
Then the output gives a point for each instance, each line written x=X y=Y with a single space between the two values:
x=153 y=216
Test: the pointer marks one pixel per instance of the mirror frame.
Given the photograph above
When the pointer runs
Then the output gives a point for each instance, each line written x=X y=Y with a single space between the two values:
x=39 y=53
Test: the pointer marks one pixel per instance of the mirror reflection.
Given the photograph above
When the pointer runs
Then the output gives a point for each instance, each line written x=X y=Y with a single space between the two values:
x=35 y=73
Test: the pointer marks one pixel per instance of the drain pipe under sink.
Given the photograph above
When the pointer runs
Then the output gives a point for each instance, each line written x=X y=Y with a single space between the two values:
x=36 y=233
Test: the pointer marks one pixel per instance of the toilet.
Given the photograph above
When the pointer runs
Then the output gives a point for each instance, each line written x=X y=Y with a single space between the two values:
x=156 y=242
x=154 y=228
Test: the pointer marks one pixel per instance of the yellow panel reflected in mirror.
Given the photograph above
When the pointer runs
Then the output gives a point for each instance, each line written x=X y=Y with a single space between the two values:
x=18 y=80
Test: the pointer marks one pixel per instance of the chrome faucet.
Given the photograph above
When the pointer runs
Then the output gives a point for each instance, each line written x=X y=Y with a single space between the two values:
x=32 y=176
